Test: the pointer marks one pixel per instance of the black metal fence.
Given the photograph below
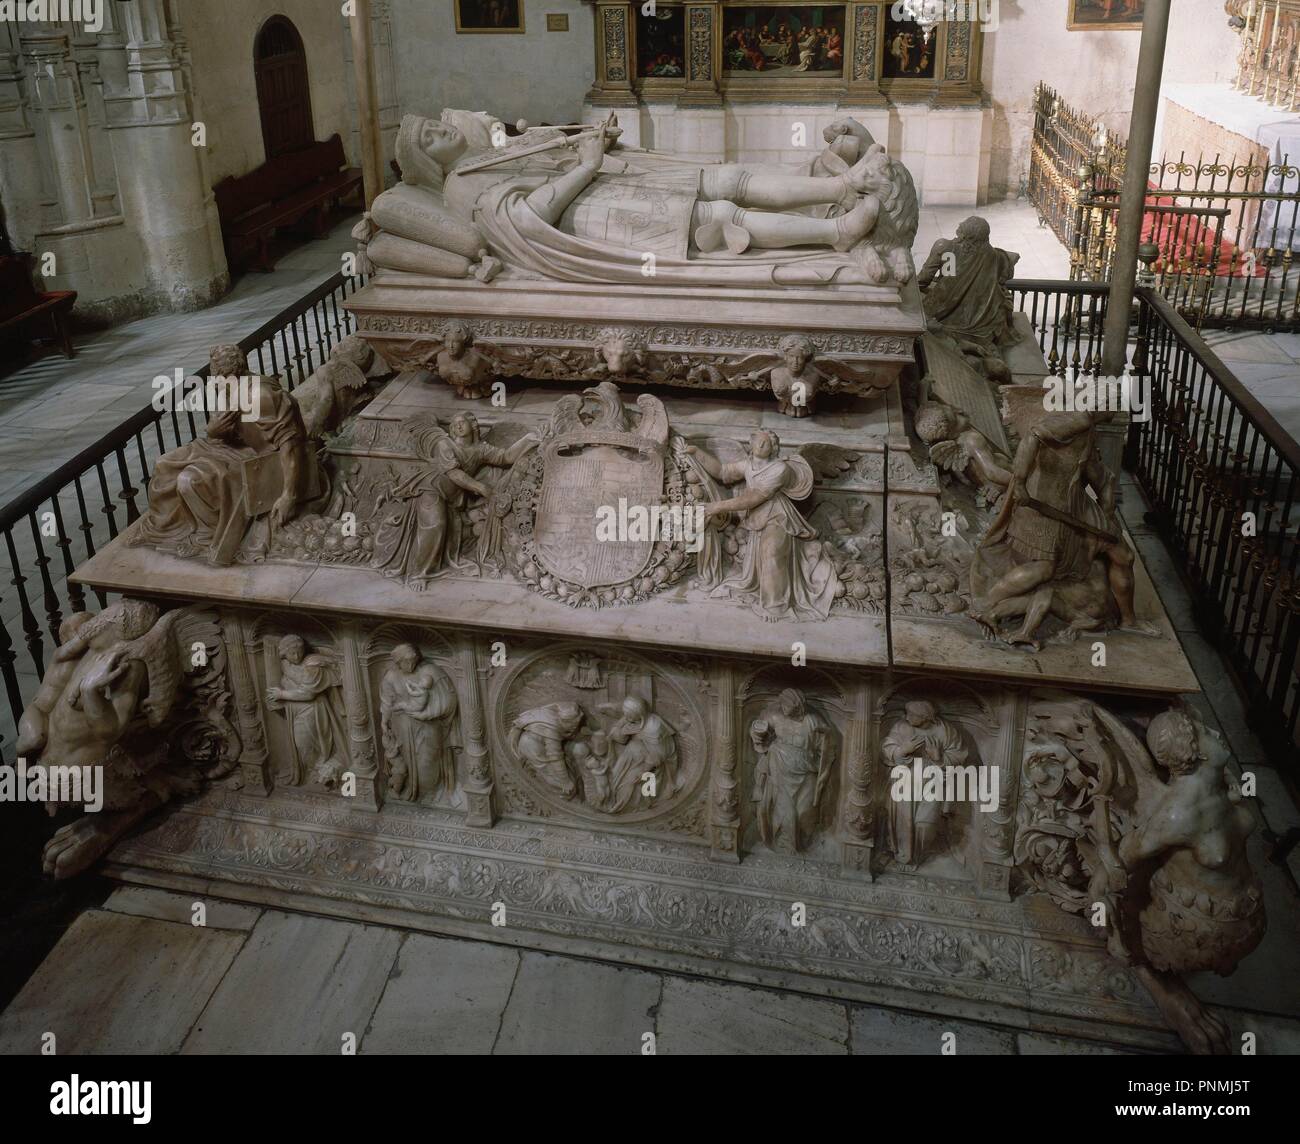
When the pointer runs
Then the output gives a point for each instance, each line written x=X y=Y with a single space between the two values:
x=1222 y=232
x=61 y=521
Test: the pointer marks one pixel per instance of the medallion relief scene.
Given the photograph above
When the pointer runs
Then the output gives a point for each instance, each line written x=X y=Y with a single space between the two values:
x=732 y=498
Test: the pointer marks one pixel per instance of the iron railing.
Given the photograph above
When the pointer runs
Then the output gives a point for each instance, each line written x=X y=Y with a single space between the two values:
x=61 y=521
x=1222 y=233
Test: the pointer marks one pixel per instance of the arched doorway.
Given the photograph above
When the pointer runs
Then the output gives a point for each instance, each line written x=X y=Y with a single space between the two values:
x=283 y=91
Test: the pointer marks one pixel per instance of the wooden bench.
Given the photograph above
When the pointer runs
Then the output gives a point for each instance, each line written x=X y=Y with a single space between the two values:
x=21 y=304
x=283 y=192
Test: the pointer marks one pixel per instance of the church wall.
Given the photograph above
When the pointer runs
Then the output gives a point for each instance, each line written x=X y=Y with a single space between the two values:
x=1093 y=71
x=539 y=76
x=221 y=40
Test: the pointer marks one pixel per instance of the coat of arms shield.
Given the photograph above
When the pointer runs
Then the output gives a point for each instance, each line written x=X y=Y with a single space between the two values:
x=582 y=474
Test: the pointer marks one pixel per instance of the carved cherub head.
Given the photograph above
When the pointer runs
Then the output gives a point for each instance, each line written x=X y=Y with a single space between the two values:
x=457 y=338
x=936 y=422
x=797 y=351
x=356 y=350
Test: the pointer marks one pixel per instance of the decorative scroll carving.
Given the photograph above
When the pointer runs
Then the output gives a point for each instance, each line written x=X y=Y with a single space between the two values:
x=614 y=20
x=866 y=19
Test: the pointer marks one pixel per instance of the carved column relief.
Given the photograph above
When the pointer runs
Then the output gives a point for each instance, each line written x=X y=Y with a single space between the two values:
x=361 y=731
x=702 y=64
x=614 y=62
x=254 y=760
x=724 y=802
x=858 y=824
x=865 y=25
x=998 y=827
x=21 y=185
x=478 y=777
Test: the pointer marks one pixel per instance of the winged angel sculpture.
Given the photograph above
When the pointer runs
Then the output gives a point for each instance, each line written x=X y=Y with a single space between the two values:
x=1148 y=840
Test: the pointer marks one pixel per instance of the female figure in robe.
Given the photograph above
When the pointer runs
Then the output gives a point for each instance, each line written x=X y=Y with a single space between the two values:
x=310 y=698
x=419 y=535
x=416 y=703
x=786 y=572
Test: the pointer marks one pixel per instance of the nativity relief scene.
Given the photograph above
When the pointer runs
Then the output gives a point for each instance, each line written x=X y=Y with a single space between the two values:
x=666 y=540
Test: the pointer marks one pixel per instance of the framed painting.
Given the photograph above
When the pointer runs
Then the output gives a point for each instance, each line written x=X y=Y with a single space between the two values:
x=661 y=42
x=1106 y=15
x=478 y=16
x=910 y=49
x=783 y=41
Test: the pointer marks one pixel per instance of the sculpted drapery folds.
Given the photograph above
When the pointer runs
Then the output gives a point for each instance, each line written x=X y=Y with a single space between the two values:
x=966 y=297
x=796 y=755
x=786 y=571
x=310 y=697
x=466 y=207
x=420 y=529
x=915 y=824
x=417 y=702
x=204 y=495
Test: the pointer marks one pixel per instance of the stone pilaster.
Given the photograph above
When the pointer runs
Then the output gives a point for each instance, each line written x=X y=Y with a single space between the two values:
x=857 y=826
x=473 y=725
x=724 y=800
x=998 y=827
x=361 y=731
x=21 y=185
x=254 y=760
x=703 y=56
x=866 y=32
x=615 y=62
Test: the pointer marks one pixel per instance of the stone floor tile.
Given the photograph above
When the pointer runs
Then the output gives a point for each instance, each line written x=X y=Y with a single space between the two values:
x=299 y=984
x=119 y=984
x=715 y=1017
x=443 y=996
x=562 y=1006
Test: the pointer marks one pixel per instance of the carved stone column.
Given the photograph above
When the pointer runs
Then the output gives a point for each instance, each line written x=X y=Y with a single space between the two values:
x=473 y=726
x=254 y=760
x=857 y=827
x=703 y=56
x=724 y=800
x=998 y=827
x=152 y=122
x=614 y=59
x=21 y=187
x=361 y=731
x=55 y=83
x=866 y=28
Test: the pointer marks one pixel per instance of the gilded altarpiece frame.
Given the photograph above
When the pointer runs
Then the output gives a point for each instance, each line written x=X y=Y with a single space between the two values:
x=706 y=80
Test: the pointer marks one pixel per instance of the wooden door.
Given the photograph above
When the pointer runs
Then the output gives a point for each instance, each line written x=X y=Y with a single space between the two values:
x=283 y=90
